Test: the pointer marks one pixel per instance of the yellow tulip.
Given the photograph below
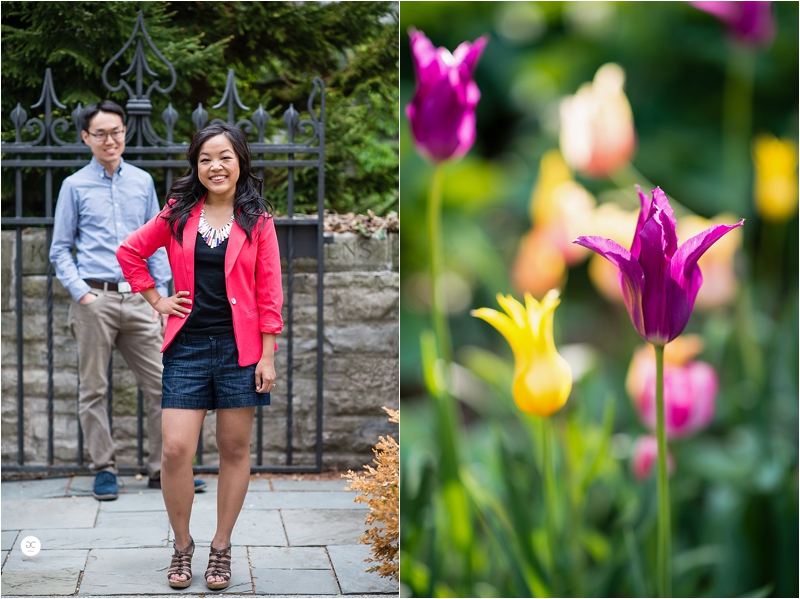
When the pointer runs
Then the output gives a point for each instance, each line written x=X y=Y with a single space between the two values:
x=553 y=171
x=775 y=186
x=542 y=378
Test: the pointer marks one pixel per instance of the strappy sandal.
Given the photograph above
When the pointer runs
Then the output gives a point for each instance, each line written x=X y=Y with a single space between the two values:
x=181 y=564
x=219 y=564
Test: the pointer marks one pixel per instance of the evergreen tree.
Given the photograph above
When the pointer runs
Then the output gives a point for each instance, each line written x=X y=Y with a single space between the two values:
x=275 y=48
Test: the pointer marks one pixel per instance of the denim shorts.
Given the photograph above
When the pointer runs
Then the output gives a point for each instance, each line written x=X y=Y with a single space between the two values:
x=202 y=372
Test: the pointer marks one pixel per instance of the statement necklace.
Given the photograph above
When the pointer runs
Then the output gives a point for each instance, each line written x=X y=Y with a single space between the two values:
x=213 y=237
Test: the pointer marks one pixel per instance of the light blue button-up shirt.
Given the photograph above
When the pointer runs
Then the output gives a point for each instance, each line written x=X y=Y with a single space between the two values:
x=94 y=215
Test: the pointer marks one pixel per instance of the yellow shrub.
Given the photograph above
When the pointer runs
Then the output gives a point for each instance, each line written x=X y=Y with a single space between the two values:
x=379 y=488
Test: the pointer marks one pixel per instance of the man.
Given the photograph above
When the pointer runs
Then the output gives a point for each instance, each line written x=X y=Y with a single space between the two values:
x=97 y=208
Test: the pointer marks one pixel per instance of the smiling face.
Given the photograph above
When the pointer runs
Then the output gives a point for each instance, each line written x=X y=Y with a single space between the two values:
x=218 y=168
x=106 y=150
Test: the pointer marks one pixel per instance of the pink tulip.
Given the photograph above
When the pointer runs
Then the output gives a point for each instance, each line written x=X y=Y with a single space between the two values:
x=751 y=23
x=644 y=455
x=442 y=111
x=690 y=388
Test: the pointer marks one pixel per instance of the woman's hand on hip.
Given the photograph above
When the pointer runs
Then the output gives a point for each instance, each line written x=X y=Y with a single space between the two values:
x=265 y=375
x=174 y=305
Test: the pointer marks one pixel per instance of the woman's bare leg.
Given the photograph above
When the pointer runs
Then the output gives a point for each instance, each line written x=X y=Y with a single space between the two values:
x=234 y=427
x=180 y=431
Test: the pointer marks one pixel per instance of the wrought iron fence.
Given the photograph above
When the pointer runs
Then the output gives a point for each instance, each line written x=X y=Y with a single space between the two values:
x=303 y=146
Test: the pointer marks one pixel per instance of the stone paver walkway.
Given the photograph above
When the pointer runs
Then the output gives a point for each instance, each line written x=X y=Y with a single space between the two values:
x=295 y=536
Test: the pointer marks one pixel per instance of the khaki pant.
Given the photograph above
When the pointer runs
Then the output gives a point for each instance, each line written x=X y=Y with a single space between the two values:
x=124 y=320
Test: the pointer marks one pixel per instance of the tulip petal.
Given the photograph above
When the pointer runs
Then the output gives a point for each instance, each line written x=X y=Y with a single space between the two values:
x=505 y=326
x=685 y=276
x=693 y=248
x=631 y=274
x=655 y=265
x=437 y=119
x=540 y=317
x=704 y=383
x=427 y=68
x=644 y=212
x=661 y=203
x=513 y=308
x=469 y=54
x=751 y=22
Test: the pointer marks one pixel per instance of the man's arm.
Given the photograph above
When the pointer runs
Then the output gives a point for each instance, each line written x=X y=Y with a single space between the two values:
x=65 y=230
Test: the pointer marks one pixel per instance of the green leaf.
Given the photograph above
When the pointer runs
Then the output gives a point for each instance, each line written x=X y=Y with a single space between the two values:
x=764 y=591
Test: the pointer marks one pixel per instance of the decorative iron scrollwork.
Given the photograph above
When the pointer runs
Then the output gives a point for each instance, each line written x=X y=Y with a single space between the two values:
x=170 y=118
x=139 y=62
x=199 y=117
x=292 y=118
x=139 y=105
x=314 y=122
x=18 y=117
x=230 y=97
x=77 y=114
x=260 y=119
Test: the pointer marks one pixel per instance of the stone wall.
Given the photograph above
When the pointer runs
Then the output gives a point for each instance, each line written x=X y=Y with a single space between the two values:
x=361 y=360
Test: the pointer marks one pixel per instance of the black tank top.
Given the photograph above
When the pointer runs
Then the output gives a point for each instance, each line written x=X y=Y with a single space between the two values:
x=211 y=312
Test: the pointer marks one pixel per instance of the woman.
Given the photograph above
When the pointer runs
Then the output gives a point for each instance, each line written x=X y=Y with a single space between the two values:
x=220 y=337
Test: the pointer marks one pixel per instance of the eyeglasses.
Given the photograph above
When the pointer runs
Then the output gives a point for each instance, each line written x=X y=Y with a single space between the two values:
x=116 y=134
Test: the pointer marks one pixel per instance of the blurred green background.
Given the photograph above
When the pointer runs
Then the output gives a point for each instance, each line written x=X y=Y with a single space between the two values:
x=735 y=490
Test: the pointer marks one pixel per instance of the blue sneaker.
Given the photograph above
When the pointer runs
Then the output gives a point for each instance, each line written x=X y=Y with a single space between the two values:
x=155 y=483
x=105 y=486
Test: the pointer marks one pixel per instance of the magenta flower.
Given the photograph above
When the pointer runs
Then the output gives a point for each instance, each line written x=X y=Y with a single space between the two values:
x=442 y=111
x=751 y=23
x=690 y=387
x=644 y=455
x=689 y=394
x=659 y=280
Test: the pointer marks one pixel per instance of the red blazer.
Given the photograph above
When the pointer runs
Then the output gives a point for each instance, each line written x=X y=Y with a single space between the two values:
x=252 y=276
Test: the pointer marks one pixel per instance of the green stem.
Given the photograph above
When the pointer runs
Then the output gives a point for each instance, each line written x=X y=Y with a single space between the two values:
x=551 y=502
x=576 y=498
x=664 y=577
x=435 y=243
x=448 y=416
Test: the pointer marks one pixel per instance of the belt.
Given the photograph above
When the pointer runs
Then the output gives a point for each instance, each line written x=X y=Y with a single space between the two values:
x=122 y=287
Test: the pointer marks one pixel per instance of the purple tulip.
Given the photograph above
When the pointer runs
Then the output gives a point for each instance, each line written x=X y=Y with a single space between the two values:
x=659 y=280
x=750 y=22
x=442 y=112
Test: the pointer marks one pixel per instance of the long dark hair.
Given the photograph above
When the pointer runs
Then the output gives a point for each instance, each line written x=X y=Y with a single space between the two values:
x=248 y=205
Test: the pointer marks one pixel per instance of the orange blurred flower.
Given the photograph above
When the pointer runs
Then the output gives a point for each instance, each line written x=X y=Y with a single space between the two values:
x=560 y=209
x=539 y=266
